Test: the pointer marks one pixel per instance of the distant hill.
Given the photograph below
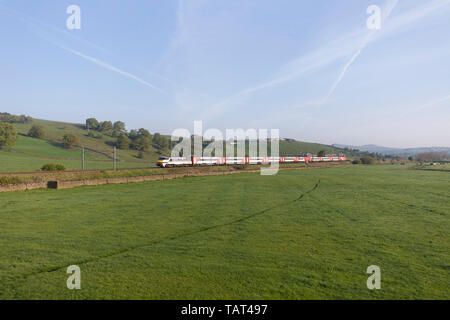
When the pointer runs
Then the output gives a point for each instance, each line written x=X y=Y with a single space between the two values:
x=395 y=151
x=291 y=147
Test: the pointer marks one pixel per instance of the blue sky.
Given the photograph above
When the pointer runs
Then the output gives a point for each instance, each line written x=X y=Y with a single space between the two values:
x=309 y=68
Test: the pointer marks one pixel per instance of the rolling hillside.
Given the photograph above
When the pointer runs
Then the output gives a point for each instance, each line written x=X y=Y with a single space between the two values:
x=29 y=154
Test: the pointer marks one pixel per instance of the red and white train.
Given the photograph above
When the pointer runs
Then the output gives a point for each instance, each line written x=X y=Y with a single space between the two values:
x=164 y=162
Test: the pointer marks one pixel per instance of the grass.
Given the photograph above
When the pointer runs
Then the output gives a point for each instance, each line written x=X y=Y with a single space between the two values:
x=30 y=154
x=47 y=149
x=243 y=236
x=54 y=131
x=16 y=162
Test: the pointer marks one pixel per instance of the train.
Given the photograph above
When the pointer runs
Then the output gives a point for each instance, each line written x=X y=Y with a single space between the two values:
x=166 y=162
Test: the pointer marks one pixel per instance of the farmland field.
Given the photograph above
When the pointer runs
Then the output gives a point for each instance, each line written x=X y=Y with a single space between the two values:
x=301 y=234
x=30 y=154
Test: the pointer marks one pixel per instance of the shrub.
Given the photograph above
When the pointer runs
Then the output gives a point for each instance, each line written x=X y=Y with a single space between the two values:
x=9 y=180
x=70 y=140
x=36 y=131
x=53 y=167
x=356 y=161
x=368 y=160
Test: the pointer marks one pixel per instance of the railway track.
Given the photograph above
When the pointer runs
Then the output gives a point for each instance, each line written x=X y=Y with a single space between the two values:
x=310 y=165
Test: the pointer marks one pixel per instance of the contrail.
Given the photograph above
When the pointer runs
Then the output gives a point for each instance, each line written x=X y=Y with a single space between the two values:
x=433 y=103
x=390 y=6
x=109 y=67
x=36 y=23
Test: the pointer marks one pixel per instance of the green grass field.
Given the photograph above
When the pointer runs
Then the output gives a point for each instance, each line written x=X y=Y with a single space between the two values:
x=54 y=131
x=301 y=234
x=43 y=148
x=31 y=154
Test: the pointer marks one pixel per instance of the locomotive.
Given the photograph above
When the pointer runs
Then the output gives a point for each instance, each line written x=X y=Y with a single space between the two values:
x=165 y=162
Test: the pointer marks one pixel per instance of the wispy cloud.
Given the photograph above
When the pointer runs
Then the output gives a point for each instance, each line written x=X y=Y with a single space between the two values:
x=109 y=67
x=37 y=25
x=35 y=22
x=351 y=45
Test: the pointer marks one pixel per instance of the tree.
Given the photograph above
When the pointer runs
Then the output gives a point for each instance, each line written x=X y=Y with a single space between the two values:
x=8 y=135
x=163 y=143
x=132 y=134
x=70 y=140
x=106 y=126
x=119 y=126
x=92 y=123
x=142 y=143
x=143 y=132
x=123 y=142
x=410 y=158
x=156 y=138
x=36 y=131
x=321 y=153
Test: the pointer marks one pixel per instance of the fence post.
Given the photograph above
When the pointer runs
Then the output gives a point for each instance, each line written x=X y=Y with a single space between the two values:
x=115 y=159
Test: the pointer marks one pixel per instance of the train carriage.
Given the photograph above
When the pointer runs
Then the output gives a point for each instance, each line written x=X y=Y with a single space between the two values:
x=219 y=161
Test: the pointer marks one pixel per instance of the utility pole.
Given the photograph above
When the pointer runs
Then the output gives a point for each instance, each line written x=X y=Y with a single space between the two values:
x=115 y=159
x=82 y=157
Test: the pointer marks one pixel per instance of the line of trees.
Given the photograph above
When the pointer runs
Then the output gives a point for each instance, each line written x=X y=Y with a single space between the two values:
x=432 y=156
x=107 y=127
x=137 y=139
x=142 y=140
x=11 y=118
